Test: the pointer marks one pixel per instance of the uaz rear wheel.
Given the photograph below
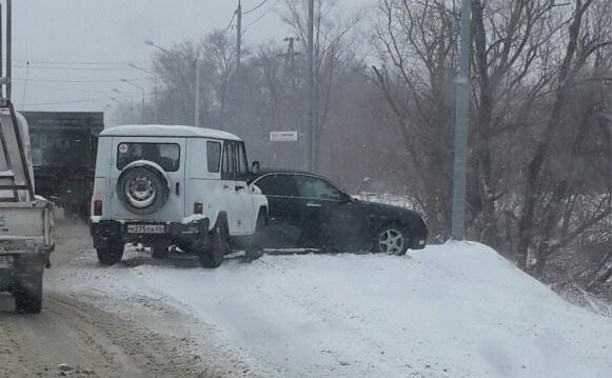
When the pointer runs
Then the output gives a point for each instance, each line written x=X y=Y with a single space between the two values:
x=111 y=252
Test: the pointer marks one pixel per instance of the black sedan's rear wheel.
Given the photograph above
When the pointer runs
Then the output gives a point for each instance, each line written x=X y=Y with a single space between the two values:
x=392 y=239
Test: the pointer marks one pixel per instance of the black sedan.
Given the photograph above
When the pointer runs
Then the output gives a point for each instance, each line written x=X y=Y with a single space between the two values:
x=308 y=211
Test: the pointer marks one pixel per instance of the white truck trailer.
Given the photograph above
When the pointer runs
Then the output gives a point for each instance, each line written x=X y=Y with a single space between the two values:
x=26 y=221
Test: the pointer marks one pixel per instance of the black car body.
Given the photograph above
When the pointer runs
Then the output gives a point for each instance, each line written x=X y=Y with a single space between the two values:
x=307 y=210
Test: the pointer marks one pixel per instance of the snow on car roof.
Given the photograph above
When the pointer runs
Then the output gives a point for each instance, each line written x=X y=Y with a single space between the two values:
x=167 y=131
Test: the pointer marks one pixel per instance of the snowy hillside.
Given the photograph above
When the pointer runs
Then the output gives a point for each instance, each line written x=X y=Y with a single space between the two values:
x=457 y=310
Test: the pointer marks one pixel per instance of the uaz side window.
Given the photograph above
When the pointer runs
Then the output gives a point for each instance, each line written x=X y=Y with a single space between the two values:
x=213 y=156
x=228 y=169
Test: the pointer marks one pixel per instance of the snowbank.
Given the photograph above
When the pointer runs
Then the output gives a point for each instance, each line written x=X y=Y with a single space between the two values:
x=456 y=310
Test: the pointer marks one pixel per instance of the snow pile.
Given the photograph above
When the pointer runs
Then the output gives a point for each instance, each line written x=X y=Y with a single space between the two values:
x=388 y=199
x=457 y=310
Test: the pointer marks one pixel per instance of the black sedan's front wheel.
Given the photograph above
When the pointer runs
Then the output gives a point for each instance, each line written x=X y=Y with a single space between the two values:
x=392 y=239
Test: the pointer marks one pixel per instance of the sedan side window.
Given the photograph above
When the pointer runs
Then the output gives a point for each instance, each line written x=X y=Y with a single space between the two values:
x=277 y=185
x=315 y=188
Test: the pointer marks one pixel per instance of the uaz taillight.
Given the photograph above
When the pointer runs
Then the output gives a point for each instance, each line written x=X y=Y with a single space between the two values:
x=97 y=210
x=198 y=208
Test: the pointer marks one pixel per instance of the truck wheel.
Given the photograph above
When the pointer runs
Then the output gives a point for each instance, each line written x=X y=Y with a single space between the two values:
x=28 y=296
x=211 y=256
x=28 y=285
x=111 y=252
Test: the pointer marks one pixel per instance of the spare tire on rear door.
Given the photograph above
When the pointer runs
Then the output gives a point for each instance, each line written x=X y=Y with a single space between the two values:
x=142 y=187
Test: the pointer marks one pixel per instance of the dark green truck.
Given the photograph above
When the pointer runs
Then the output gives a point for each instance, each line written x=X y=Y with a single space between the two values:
x=63 y=153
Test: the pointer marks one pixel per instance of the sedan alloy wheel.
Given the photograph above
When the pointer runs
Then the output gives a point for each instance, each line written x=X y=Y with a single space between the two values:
x=391 y=241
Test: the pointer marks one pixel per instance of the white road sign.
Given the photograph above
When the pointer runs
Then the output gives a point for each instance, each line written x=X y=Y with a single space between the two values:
x=283 y=136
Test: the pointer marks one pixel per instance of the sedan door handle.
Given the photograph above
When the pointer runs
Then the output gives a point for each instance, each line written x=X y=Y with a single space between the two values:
x=313 y=204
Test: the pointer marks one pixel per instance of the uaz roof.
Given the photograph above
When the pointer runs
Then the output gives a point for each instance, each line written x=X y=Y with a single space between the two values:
x=167 y=131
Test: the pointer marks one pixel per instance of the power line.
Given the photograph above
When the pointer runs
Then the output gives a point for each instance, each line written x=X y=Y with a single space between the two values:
x=77 y=101
x=79 y=81
x=72 y=68
x=74 y=62
x=56 y=88
x=229 y=25
x=262 y=15
x=255 y=8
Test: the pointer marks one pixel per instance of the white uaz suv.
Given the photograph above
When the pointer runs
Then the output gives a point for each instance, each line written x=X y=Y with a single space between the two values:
x=162 y=185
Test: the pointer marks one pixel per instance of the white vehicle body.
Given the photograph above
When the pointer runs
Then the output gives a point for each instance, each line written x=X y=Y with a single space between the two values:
x=12 y=170
x=203 y=178
x=26 y=220
x=26 y=224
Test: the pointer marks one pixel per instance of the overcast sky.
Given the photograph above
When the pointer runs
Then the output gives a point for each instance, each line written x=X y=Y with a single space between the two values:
x=79 y=50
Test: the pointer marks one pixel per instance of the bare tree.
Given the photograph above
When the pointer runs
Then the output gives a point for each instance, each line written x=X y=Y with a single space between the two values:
x=217 y=55
x=333 y=50
x=417 y=42
x=539 y=172
x=581 y=45
x=175 y=69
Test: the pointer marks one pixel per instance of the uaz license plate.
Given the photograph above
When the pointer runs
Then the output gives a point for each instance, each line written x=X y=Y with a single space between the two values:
x=146 y=228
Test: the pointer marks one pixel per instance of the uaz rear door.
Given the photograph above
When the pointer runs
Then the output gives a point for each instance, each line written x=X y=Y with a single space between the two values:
x=164 y=158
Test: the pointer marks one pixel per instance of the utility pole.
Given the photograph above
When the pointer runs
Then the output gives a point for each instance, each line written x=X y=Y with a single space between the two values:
x=289 y=57
x=309 y=132
x=9 y=46
x=238 y=40
x=290 y=54
x=462 y=108
x=196 y=121
x=142 y=114
x=238 y=84
x=1 y=54
x=155 y=89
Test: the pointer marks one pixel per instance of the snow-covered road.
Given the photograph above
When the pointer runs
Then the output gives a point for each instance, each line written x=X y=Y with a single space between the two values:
x=457 y=310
